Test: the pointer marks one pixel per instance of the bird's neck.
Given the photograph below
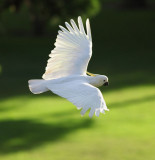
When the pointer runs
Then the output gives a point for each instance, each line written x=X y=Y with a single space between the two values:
x=95 y=81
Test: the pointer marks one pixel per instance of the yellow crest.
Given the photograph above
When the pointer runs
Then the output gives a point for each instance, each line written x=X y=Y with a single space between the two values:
x=91 y=74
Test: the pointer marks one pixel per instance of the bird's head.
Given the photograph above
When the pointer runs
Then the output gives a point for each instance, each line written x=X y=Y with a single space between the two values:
x=103 y=80
x=98 y=80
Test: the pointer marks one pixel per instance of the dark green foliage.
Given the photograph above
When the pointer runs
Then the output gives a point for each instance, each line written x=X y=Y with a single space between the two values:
x=135 y=3
x=42 y=11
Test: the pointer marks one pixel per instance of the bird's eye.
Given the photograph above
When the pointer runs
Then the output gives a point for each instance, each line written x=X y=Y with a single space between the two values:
x=104 y=80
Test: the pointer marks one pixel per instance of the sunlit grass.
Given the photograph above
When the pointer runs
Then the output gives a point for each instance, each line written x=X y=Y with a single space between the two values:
x=45 y=127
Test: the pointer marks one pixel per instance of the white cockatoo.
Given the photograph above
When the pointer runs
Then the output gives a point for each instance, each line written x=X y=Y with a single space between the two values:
x=66 y=72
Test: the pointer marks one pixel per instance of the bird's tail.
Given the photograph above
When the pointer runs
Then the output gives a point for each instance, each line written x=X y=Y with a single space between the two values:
x=37 y=86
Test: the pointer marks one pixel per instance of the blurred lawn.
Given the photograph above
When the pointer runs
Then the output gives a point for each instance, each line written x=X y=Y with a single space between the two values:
x=37 y=127
x=48 y=127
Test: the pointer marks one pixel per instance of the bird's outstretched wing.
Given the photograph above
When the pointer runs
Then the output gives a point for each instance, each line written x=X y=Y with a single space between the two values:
x=72 y=52
x=83 y=95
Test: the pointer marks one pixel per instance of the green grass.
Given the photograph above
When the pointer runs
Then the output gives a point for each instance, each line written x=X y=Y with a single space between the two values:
x=49 y=127
x=40 y=127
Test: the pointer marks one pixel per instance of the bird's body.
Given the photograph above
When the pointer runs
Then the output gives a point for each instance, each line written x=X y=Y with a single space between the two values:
x=66 y=71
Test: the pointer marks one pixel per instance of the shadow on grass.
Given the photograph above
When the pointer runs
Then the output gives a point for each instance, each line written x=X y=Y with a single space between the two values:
x=17 y=135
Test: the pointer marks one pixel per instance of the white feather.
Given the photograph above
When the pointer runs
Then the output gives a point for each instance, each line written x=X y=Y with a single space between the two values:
x=73 y=50
x=37 y=86
x=77 y=90
x=88 y=29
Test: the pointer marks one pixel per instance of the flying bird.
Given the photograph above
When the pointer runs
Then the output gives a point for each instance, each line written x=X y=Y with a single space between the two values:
x=66 y=72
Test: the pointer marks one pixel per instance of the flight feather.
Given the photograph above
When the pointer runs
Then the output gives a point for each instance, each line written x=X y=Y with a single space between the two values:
x=72 y=52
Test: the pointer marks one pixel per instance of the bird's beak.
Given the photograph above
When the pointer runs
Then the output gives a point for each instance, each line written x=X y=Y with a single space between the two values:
x=106 y=84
